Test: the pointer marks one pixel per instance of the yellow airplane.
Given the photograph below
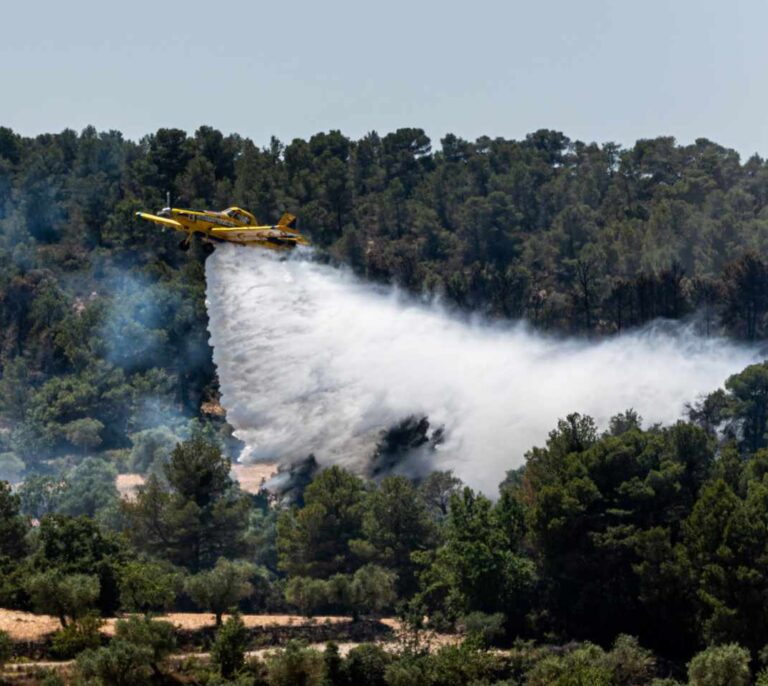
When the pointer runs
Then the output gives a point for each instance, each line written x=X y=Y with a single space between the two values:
x=233 y=224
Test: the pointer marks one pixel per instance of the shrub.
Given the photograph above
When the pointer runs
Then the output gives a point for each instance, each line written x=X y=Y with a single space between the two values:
x=228 y=651
x=366 y=664
x=630 y=663
x=295 y=664
x=725 y=665
x=6 y=648
x=488 y=629
x=586 y=664
x=76 y=637
x=121 y=663
x=159 y=638
x=334 y=665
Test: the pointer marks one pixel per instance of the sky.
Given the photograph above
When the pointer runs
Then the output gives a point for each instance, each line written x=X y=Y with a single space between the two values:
x=597 y=70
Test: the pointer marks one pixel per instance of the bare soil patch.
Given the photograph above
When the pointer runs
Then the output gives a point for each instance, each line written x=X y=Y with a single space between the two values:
x=27 y=627
x=251 y=478
x=128 y=484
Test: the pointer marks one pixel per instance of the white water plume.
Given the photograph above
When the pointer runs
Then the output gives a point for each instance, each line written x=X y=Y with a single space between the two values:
x=312 y=360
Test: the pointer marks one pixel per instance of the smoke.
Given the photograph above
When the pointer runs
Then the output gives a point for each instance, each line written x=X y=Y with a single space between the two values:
x=311 y=360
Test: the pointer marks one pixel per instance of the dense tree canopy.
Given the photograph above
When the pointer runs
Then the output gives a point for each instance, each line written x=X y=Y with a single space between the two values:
x=657 y=532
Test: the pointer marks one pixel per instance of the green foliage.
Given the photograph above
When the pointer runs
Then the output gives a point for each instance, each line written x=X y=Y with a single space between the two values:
x=90 y=487
x=584 y=666
x=66 y=596
x=604 y=512
x=295 y=665
x=137 y=652
x=199 y=516
x=629 y=662
x=373 y=589
x=228 y=650
x=308 y=595
x=77 y=545
x=478 y=568
x=485 y=628
x=370 y=589
x=724 y=665
x=315 y=540
x=77 y=636
x=156 y=637
x=6 y=648
x=366 y=664
x=659 y=533
x=453 y=665
x=396 y=524
x=151 y=447
x=148 y=586
x=121 y=663
x=12 y=526
x=223 y=587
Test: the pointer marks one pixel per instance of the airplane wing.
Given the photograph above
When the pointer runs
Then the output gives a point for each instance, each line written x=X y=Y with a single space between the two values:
x=164 y=221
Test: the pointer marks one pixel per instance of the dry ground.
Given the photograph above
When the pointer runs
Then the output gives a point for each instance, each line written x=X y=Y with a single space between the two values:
x=24 y=626
x=250 y=476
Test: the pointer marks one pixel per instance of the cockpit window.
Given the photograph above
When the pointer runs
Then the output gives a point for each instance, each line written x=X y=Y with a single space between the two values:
x=238 y=216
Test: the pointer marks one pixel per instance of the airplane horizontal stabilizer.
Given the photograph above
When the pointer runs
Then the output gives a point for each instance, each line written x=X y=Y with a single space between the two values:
x=287 y=221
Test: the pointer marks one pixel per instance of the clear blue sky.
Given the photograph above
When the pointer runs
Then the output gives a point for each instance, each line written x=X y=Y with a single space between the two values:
x=594 y=69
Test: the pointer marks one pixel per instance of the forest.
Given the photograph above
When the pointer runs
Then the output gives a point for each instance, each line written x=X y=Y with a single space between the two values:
x=629 y=556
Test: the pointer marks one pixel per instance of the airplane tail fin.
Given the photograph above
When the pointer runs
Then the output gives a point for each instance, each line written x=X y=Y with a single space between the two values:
x=287 y=221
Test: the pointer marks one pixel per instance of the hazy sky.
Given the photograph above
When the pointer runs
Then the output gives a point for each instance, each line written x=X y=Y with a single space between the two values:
x=594 y=69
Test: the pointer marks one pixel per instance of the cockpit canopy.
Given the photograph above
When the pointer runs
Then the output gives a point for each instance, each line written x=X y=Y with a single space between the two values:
x=240 y=215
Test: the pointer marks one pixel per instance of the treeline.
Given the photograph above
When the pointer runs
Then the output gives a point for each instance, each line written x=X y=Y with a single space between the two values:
x=659 y=533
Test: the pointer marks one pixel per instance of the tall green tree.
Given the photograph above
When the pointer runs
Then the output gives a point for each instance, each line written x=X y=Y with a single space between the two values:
x=198 y=516
x=314 y=540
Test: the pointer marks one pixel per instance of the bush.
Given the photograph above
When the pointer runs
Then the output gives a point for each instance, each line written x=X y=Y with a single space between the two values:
x=365 y=665
x=334 y=664
x=586 y=664
x=6 y=648
x=725 y=665
x=295 y=664
x=488 y=629
x=228 y=651
x=630 y=663
x=76 y=637
x=51 y=679
x=121 y=663
x=159 y=638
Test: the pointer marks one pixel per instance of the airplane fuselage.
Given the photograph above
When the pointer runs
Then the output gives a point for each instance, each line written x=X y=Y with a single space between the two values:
x=234 y=225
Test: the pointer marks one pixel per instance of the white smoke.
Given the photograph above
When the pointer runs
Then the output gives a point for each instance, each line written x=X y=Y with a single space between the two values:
x=312 y=360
